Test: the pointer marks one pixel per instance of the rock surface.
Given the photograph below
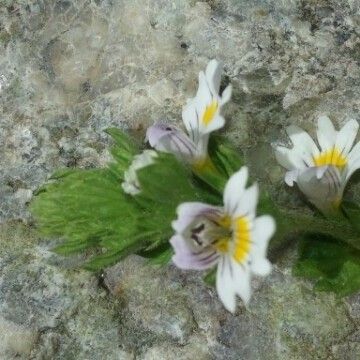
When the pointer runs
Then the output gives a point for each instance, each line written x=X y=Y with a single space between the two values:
x=70 y=69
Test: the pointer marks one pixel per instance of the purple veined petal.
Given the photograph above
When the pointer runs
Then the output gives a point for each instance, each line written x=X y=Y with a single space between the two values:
x=323 y=186
x=168 y=138
x=189 y=211
x=185 y=258
x=191 y=120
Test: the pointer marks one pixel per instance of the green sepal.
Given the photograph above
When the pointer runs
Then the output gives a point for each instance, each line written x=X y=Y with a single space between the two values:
x=333 y=264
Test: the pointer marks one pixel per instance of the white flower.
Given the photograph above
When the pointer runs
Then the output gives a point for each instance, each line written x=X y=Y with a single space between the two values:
x=231 y=237
x=131 y=183
x=321 y=172
x=201 y=115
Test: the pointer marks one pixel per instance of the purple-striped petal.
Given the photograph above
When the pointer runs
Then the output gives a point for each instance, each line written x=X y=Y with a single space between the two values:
x=168 y=138
x=187 y=259
x=189 y=211
x=323 y=186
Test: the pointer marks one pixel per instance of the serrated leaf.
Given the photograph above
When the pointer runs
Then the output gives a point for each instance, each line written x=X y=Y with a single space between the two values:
x=122 y=151
x=333 y=264
x=86 y=208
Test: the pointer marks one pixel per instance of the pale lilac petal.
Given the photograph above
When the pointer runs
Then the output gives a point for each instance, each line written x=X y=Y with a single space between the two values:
x=321 y=185
x=189 y=211
x=185 y=258
x=168 y=138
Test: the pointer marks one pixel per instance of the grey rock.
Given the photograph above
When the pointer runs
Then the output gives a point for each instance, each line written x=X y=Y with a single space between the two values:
x=69 y=70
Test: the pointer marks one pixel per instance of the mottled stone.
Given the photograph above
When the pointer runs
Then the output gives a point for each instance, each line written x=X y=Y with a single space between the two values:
x=69 y=70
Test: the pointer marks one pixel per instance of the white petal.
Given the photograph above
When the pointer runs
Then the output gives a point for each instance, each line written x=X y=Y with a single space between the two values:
x=234 y=189
x=304 y=145
x=191 y=120
x=326 y=133
x=226 y=95
x=216 y=123
x=202 y=147
x=351 y=168
x=354 y=154
x=261 y=267
x=289 y=159
x=263 y=229
x=346 y=136
x=225 y=283
x=213 y=75
x=248 y=202
x=291 y=177
x=203 y=95
x=242 y=281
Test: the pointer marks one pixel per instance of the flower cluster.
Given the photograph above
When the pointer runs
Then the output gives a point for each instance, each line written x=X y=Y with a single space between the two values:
x=229 y=237
x=201 y=116
x=187 y=199
x=321 y=172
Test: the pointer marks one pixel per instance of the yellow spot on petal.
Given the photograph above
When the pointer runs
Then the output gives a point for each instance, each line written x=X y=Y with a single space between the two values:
x=331 y=157
x=225 y=222
x=222 y=245
x=209 y=113
x=242 y=239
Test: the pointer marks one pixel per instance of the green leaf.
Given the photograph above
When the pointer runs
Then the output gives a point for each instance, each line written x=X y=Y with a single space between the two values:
x=210 y=277
x=87 y=209
x=223 y=161
x=226 y=158
x=164 y=185
x=352 y=212
x=162 y=256
x=333 y=264
x=123 y=151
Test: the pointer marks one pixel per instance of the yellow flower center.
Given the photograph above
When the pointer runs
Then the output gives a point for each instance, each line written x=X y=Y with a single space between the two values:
x=209 y=112
x=331 y=157
x=241 y=237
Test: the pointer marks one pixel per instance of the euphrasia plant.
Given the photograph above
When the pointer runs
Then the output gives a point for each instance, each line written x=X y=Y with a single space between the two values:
x=189 y=200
